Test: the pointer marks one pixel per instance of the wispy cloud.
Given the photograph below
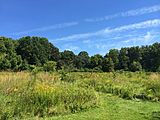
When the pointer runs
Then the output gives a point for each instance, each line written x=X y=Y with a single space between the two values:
x=141 y=25
x=145 y=38
x=71 y=47
x=136 y=12
x=46 y=28
x=141 y=38
x=106 y=31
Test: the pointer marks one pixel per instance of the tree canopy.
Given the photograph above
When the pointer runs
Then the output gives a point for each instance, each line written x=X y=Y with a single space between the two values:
x=38 y=51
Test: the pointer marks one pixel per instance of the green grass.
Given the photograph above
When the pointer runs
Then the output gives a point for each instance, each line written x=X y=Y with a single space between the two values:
x=115 y=108
x=80 y=96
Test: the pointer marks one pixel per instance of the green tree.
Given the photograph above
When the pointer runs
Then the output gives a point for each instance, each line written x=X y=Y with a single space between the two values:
x=54 y=53
x=96 y=61
x=108 y=65
x=124 y=59
x=67 y=60
x=8 y=57
x=135 y=66
x=151 y=57
x=36 y=50
x=114 y=54
x=82 y=60
x=134 y=54
x=50 y=66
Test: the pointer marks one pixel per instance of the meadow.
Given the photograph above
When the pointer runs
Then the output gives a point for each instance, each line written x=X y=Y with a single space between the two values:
x=80 y=95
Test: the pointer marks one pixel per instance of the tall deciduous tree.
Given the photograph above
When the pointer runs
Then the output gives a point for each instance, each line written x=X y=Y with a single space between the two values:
x=135 y=66
x=124 y=59
x=96 y=61
x=114 y=54
x=82 y=60
x=36 y=50
x=108 y=65
x=67 y=59
x=8 y=57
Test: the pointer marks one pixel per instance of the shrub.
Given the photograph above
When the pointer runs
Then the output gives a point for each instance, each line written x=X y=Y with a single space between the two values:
x=50 y=66
x=66 y=76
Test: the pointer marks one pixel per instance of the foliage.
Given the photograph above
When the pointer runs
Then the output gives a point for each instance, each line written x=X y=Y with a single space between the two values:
x=135 y=66
x=22 y=95
x=108 y=65
x=82 y=60
x=27 y=96
x=8 y=56
x=35 y=50
x=50 y=66
x=114 y=54
x=19 y=54
x=96 y=61
x=126 y=85
x=48 y=100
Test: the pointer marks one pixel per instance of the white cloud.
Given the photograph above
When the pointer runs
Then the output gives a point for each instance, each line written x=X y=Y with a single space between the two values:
x=136 y=12
x=143 y=38
x=57 y=26
x=86 y=41
x=141 y=11
x=107 y=31
x=78 y=36
x=145 y=10
x=148 y=36
x=129 y=40
x=141 y=25
x=71 y=47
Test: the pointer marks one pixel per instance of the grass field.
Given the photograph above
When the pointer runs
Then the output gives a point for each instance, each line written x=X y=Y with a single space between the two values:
x=80 y=96
x=114 y=108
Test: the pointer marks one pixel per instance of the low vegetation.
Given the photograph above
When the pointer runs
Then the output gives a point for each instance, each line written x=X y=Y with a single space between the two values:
x=25 y=95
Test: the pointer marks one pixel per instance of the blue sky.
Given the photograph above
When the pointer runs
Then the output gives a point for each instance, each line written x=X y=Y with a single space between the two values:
x=91 y=25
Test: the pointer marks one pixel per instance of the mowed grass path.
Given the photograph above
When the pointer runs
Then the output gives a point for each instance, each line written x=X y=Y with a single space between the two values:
x=115 y=108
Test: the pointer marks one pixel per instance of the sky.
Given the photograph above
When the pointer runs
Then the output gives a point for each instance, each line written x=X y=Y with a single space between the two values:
x=95 y=26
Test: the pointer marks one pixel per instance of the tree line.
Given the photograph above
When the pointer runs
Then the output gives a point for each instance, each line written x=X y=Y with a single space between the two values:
x=29 y=52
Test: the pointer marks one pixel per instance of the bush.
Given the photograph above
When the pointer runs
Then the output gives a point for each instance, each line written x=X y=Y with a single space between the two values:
x=66 y=77
x=50 y=66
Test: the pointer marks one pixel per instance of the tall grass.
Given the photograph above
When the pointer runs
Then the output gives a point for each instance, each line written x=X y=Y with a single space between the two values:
x=127 y=85
x=40 y=94
x=24 y=95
